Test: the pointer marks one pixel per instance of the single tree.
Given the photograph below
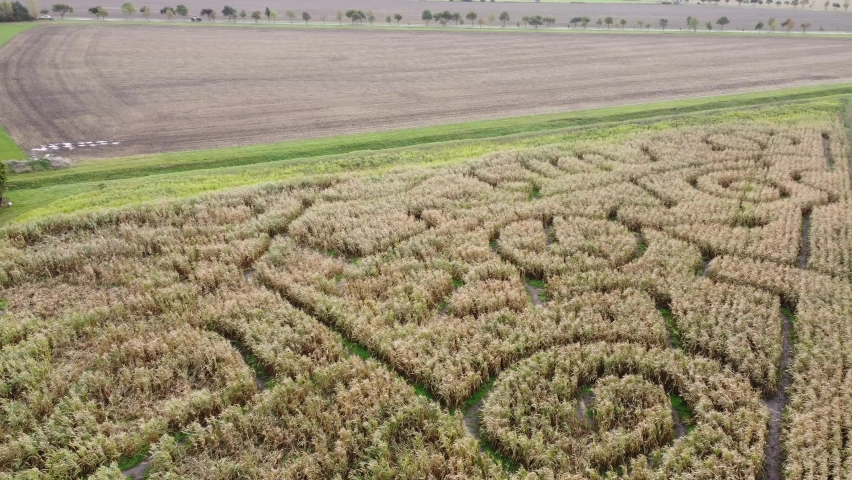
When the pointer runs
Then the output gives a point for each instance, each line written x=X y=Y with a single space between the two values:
x=491 y=19
x=608 y=21
x=355 y=15
x=759 y=27
x=471 y=16
x=638 y=24
x=574 y=21
x=243 y=15
x=664 y=23
x=291 y=14
x=480 y=21
x=456 y=17
x=585 y=21
x=127 y=9
x=306 y=17
x=693 y=23
x=504 y=17
x=207 y=12
x=536 y=21
x=146 y=10
x=273 y=15
x=339 y=15
x=230 y=12
x=827 y=3
x=622 y=22
x=599 y=22
x=846 y=5
x=268 y=13
x=183 y=11
x=212 y=16
x=722 y=21
x=426 y=16
x=398 y=18
x=256 y=15
x=708 y=26
x=805 y=26
x=772 y=24
x=62 y=9
x=389 y=20
x=835 y=5
x=648 y=26
x=44 y=11
x=99 y=12
x=370 y=17
x=170 y=13
x=789 y=24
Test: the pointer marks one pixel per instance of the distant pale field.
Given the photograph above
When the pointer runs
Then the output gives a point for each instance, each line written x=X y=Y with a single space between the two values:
x=156 y=88
x=744 y=17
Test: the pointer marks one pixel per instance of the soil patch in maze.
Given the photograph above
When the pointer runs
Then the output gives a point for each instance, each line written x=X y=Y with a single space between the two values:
x=774 y=457
x=88 y=81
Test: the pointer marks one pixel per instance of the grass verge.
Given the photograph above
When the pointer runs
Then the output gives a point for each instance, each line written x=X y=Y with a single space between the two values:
x=158 y=164
x=92 y=186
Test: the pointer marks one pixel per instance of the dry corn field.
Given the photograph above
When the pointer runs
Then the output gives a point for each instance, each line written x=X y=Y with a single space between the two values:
x=677 y=304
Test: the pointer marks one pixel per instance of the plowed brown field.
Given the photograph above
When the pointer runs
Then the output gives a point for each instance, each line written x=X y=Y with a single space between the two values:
x=158 y=88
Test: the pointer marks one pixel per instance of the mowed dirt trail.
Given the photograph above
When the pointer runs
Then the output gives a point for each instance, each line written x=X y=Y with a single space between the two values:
x=156 y=88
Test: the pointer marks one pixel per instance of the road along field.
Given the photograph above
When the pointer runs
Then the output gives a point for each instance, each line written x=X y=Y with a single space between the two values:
x=143 y=89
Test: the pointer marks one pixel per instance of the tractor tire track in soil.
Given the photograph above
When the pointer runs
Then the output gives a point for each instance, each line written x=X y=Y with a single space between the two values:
x=826 y=150
x=139 y=471
x=805 y=248
x=774 y=454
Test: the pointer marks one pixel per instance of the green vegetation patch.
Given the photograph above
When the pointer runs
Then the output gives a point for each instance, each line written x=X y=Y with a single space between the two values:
x=42 y=194
x=126 y=463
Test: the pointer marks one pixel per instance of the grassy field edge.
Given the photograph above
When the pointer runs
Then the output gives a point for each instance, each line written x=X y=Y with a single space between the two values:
x=174 y=162
x=74 y=199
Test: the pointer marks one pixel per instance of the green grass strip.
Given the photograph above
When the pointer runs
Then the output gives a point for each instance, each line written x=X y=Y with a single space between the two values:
x=157 y=164
x=88 y=196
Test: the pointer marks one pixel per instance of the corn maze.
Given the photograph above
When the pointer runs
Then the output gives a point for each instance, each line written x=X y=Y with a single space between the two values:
x=673 y=305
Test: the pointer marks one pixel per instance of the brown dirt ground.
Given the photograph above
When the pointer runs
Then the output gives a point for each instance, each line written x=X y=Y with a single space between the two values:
x=157 y=88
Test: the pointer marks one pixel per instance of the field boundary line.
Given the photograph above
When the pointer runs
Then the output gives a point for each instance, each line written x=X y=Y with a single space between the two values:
x=505 y=129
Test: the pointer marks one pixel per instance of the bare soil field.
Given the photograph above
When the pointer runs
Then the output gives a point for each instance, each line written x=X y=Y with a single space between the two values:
x=741 y=16
x=157 y=88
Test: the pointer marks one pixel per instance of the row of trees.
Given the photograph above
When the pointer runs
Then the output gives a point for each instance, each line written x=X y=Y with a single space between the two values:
x=231 y=13
x=793 y=3
x=357 y=17
x=692 y=23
